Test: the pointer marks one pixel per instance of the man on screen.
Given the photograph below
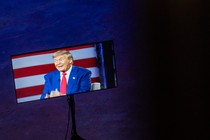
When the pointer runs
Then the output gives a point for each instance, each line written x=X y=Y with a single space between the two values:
x=67 y=79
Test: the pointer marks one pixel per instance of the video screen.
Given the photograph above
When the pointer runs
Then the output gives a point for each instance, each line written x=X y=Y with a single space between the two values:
x=63 y=71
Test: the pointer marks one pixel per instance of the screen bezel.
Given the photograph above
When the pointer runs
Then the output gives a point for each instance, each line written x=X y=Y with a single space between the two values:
x=110 y=64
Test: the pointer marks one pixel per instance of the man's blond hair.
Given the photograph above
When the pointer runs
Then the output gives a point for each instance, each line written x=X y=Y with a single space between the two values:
x=62 y=52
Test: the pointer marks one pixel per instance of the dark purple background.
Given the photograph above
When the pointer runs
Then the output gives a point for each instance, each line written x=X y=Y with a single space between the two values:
x=158 y=59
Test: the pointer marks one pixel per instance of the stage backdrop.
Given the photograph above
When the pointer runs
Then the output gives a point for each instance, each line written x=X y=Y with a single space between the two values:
x=120 y=113
x=159 y=63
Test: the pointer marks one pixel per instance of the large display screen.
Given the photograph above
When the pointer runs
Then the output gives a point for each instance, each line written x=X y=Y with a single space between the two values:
x=38 y=75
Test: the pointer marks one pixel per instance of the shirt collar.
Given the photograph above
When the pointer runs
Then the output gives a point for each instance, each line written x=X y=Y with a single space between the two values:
x=67 y=73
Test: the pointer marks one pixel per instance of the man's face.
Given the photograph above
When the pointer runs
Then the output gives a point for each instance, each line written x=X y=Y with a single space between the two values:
x=62 y=63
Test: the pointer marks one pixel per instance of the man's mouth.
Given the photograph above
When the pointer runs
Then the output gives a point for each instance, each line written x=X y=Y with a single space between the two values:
x=60 y=66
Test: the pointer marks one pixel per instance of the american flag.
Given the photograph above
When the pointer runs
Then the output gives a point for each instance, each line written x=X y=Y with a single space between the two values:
x=29 y=69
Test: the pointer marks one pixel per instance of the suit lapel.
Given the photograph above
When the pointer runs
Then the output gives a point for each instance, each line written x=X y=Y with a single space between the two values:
x=71 y=81
x=57 y=78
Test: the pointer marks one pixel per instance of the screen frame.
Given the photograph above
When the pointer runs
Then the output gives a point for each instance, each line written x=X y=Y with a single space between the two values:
x=109 y=61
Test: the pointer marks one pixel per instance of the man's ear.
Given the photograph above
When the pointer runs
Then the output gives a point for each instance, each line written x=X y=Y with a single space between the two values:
x=71 y=61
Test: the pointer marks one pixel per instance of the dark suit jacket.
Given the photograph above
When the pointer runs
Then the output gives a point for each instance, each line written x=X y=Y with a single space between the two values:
x=79 y=81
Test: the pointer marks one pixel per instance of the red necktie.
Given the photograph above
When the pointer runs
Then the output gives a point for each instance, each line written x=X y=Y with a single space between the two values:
x=63 y=83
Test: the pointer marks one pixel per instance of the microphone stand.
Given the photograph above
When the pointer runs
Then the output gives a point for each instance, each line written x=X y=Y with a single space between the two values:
x=74 y=135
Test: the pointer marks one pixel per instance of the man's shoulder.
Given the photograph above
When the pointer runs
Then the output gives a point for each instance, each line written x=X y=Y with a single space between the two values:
x=52 y=73
x=80 y=69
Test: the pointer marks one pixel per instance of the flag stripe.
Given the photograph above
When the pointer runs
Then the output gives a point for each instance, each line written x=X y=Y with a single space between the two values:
x=29 y=81
x=52 y=51
x=86 y=63
x=47 y=58
x=42 y=69
x=96 y=79
x=35 y=70
x=29 y=98
x=29 y=91
x=31 y=61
